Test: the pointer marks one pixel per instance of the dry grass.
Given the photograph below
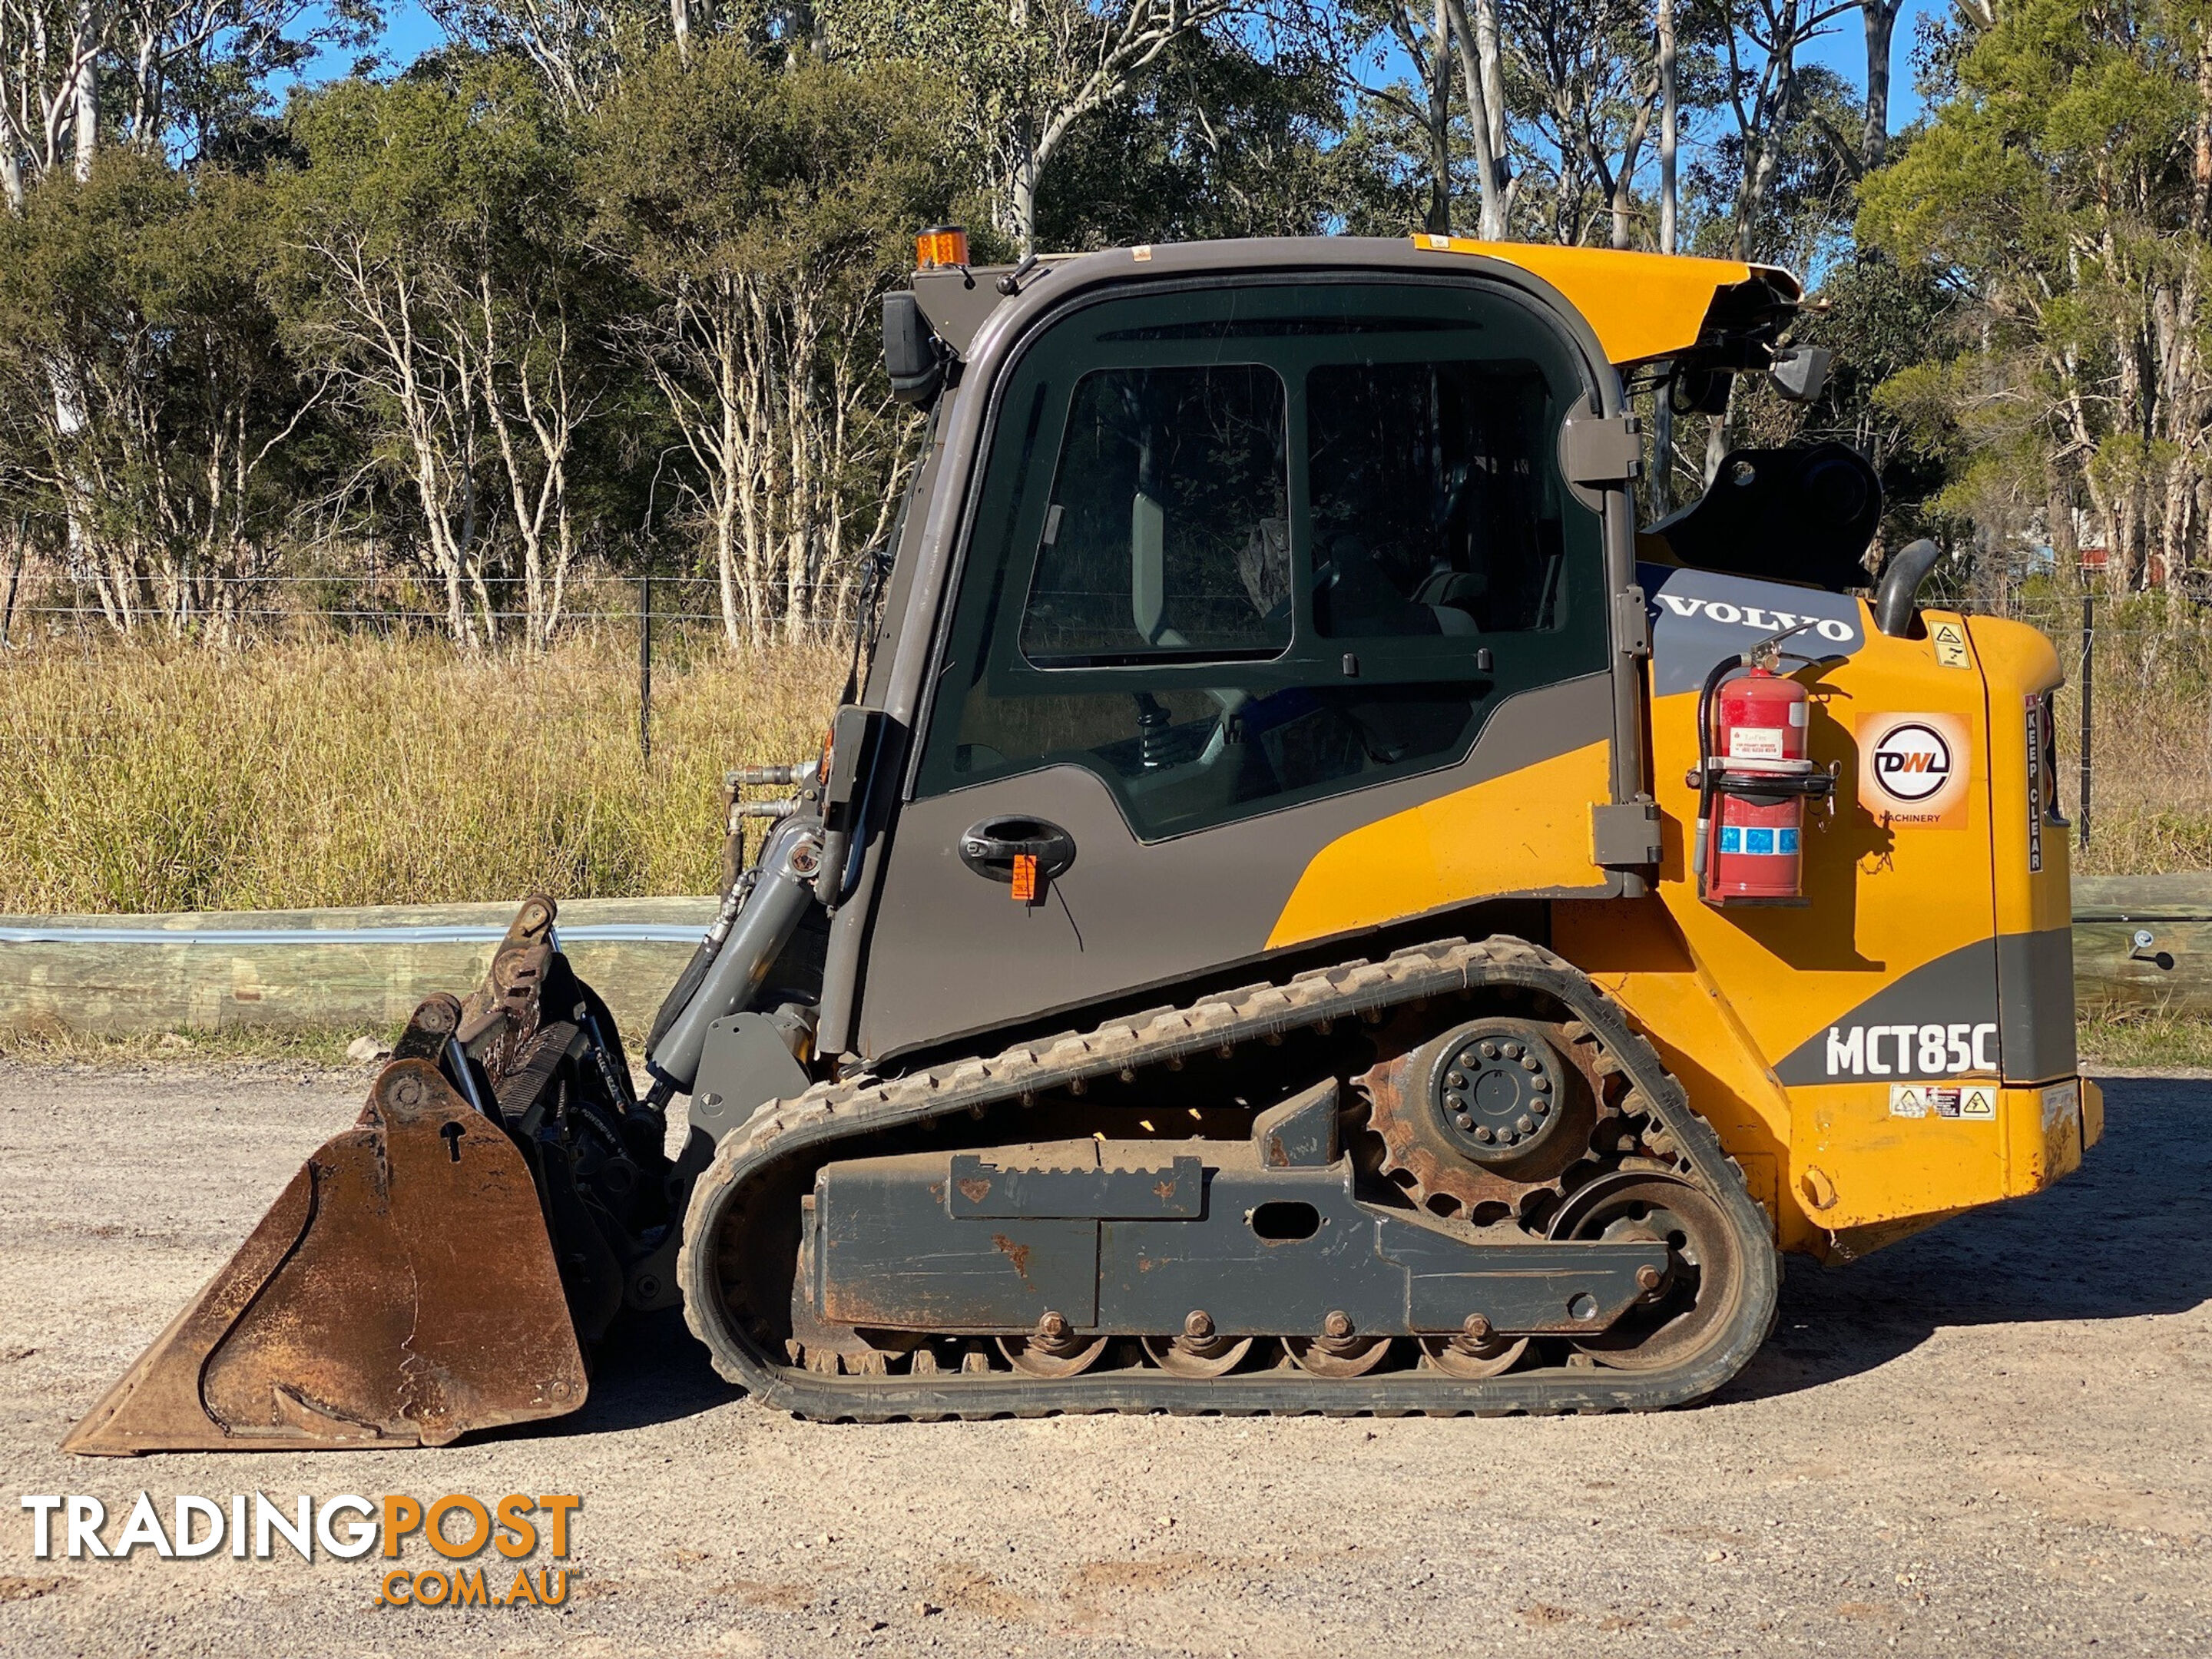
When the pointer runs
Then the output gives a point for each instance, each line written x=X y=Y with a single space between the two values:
x=246 y=1048
x=2152 y=1043
x=336 y=774
x=2138 y=1042
x=2152 y=747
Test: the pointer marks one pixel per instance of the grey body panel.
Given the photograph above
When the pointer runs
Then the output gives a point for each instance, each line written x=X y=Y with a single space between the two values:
x=1700 y=616
x=901 y=678
x=893 y=1248
x=2011 y=997
x=2035 y=1004
x=952 y=953
x=746 y=1064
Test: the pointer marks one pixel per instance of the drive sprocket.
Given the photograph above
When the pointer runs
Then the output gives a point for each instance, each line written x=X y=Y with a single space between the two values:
x=1485 y=1121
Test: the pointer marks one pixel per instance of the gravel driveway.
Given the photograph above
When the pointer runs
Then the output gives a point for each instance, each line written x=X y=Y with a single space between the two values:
x=1992 y=1439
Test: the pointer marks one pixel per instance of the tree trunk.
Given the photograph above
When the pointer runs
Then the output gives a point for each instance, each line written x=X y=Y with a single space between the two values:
x=1439 y=80
x=1670 y=196
x=1489 y=185
x=1670 y=131
x=2065 y=546
x=84 y=94
x=1021 y=201
x=1881 y=18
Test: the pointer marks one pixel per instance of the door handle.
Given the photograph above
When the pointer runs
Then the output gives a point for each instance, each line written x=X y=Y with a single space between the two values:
x=989 y=848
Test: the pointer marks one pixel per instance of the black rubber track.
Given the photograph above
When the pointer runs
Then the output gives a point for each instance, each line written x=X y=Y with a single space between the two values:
x=859 y=1107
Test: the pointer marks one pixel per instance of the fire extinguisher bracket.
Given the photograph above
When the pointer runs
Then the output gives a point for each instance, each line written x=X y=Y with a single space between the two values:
x=1753 y=777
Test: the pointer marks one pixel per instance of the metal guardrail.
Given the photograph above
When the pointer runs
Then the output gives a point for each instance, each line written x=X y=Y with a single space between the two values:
x=133 y=975
x=48 y=934
x=2142 y=944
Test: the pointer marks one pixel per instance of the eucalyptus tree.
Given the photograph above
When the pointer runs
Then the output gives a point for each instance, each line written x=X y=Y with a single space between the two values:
x=432 y=260
x=1021 y=75
x=2065 y=195
x=139 y=289
x=762 y=208
x=79 y=75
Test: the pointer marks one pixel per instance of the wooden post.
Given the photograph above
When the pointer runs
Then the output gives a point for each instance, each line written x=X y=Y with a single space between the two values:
x=15 y=577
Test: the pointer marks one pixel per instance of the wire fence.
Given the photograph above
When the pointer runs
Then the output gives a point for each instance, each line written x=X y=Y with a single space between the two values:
x=245 y=611
x=2134 y=715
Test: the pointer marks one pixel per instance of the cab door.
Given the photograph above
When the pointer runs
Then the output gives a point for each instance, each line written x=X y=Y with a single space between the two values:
x=1275 y=622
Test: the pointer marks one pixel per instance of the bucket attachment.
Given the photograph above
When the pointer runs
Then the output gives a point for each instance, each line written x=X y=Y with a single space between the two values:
x=408 y=1286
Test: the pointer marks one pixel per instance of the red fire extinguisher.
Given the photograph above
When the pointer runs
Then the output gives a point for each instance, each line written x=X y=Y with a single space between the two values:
x=1753 y=777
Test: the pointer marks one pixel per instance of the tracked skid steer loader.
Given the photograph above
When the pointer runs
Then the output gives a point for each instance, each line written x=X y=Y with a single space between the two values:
x=1305 y=906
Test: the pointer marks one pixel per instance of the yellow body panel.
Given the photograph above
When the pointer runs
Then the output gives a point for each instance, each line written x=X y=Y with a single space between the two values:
x=1534 y=835
x=1641 y=305
x=2019 y=664
x=1881 y=899
x=1727 y=995
x=1632 y=949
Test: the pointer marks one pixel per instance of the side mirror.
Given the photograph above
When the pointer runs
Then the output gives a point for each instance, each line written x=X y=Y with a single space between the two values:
x=912 y=354
x=1800 y=374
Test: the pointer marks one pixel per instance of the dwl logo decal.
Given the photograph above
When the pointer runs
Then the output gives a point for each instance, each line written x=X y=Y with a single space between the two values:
x=1912 y=763
x=1913 y=769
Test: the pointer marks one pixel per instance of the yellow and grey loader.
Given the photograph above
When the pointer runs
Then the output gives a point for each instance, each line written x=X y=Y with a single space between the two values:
x=1253 y=941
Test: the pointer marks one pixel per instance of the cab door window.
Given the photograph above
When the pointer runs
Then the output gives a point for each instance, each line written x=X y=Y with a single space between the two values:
x=1167 y=535
x=1241 y=548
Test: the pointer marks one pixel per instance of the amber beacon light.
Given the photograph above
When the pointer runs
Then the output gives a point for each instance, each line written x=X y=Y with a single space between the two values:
x=940 y=245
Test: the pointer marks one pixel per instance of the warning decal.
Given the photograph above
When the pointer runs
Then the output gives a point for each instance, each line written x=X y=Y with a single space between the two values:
x=1973 y=1102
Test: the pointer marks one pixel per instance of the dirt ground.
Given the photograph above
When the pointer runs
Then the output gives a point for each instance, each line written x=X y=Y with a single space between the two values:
x=1992 y=1439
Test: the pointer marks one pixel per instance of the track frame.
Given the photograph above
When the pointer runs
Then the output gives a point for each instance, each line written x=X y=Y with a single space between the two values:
x=1366 y=990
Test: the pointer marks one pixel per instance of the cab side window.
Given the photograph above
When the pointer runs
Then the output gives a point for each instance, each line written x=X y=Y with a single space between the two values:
x=1432 y=512
x=1241 y=548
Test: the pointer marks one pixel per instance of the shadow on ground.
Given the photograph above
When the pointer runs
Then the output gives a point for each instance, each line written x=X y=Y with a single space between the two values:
x=2128 y=1234
x=649 y=1370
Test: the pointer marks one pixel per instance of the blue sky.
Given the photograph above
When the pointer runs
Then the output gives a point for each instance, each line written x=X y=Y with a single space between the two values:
x=408 y=32
x=1843 y=49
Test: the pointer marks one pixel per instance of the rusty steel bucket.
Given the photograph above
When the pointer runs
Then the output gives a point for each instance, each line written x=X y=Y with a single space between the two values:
x=401 y=1292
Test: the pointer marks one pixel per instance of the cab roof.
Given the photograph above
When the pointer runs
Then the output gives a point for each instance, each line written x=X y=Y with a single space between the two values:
x=1643 y=306
x=1720 y=314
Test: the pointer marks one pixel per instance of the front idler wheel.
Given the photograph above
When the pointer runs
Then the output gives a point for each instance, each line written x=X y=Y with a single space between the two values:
x=1697 y=1292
